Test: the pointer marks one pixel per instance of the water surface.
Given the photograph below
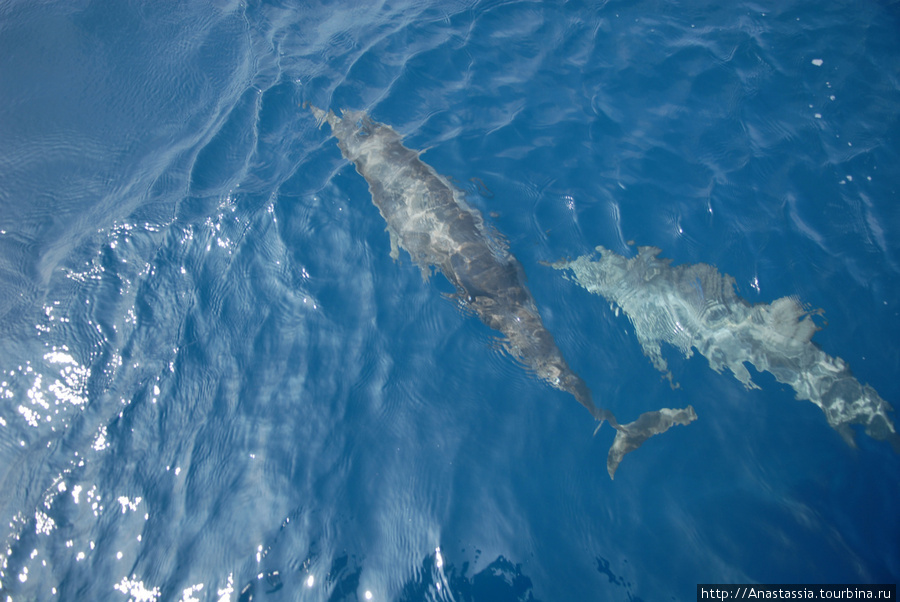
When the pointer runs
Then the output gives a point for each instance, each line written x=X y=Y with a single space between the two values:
x=216 y=382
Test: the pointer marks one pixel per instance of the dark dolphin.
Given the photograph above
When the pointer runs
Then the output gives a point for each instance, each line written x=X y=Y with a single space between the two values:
x=431 y=220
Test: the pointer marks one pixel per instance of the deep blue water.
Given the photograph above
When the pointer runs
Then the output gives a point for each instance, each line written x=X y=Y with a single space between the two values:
x=217 y=384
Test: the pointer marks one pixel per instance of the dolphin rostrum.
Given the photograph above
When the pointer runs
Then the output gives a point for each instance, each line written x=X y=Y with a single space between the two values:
x=430 y=219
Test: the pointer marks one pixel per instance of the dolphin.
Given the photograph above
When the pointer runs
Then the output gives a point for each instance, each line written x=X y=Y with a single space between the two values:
x=429 y=218
x=695 y=307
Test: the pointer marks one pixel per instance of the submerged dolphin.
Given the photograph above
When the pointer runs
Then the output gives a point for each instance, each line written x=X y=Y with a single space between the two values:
x=429 y=218
x=693 y=306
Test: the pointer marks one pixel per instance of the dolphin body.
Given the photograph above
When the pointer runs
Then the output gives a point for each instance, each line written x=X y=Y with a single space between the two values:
x=431 y=220
x=695 y=307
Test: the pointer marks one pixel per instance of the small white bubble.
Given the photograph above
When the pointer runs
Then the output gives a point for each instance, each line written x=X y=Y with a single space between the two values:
x=817 y=62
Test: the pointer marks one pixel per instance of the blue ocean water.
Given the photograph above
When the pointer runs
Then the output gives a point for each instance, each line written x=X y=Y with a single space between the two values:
x=217 y=385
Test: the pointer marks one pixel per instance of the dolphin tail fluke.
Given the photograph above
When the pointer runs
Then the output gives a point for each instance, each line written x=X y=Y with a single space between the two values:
x=632 y=435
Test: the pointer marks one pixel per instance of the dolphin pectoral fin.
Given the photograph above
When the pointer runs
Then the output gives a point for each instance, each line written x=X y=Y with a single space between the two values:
x=322 y=116
x=395 y=245
x=632 y=435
